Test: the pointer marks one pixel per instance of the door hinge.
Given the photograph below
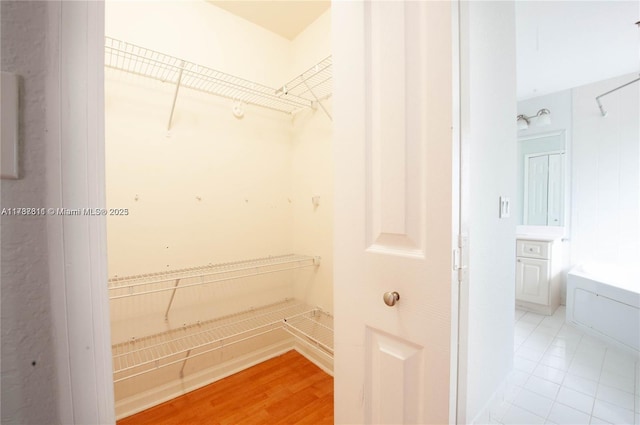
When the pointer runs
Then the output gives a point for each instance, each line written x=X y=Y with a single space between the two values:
x=456 y=259
x=457 y=263
x=460 y=256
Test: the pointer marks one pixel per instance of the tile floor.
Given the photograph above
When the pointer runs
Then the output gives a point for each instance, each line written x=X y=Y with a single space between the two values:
x=563 y=376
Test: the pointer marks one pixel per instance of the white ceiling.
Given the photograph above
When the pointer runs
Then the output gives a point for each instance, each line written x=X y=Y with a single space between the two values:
x=286 y=18
x=560 y=44
x=564 y=44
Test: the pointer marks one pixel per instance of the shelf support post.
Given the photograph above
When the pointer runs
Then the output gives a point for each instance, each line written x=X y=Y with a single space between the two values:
x=173 y=294
x=175 y=94
x=317 y=100
x=184 y=363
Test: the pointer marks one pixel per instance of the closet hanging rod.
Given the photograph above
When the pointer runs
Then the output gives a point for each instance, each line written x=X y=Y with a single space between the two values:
x=123 y=287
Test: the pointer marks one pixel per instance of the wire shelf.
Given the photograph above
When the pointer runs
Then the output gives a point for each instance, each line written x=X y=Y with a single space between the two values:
x=159 y=66
x=313 y=84
x=122 y=287
x=314 y=327
x=140 y=356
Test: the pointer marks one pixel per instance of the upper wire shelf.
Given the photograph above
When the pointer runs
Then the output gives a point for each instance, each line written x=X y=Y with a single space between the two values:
x=122 y=287
x=313 y=84
x=159 y=66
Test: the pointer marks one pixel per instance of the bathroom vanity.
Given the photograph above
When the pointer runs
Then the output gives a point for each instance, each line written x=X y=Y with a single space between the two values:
x=538 y=273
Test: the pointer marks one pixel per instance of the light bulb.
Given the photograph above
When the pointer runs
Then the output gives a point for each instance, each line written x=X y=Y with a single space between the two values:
x=543 y=117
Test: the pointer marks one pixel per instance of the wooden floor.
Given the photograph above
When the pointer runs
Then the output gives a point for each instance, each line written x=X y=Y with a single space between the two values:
x=288 y=389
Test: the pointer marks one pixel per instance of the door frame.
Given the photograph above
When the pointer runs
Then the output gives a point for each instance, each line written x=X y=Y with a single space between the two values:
x=457 y=325
x=78 y=246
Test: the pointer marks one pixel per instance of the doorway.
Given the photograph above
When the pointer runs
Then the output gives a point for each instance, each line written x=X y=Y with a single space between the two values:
x=96 y=302
x=218 y=154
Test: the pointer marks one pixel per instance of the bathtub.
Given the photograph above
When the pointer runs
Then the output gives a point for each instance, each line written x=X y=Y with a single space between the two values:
x=604 y=300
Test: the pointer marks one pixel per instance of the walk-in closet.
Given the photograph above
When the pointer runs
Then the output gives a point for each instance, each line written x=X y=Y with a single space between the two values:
x=219 y=177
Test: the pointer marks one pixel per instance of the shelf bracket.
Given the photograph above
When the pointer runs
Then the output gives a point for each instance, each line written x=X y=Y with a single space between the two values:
x=175 y=94
x=317 y=100
x=184 y=363
x=173 y=294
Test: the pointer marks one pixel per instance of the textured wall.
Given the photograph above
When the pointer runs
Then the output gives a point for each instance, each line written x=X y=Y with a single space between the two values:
x=28 y=392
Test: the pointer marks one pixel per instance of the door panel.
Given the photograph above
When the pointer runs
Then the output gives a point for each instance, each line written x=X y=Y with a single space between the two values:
x=537 y=190
x=555 y=198
x=394 y=390
x=393 y=215
x=395 y=160
x=532 y=280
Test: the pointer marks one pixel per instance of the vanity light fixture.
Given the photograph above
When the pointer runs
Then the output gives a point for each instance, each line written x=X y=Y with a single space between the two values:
x=523 y=122
x=543 y=117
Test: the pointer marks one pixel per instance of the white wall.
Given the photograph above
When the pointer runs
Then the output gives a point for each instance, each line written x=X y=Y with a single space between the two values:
x=199 y=32
x=603 y=160
x=605 y=210
x=488 y=100
x=28 y=360
x=312 y=173
x=215 y=189
x=311 y=45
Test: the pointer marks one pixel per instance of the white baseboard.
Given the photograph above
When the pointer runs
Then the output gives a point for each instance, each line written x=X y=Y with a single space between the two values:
x=314 y=356
x=484 y=416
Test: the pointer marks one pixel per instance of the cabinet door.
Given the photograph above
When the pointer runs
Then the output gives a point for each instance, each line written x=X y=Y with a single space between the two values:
x=537 y=189
x=532 y=280
x=555 y=202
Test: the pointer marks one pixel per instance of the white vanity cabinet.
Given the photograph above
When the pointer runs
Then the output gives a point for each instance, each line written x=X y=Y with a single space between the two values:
x=538 y=274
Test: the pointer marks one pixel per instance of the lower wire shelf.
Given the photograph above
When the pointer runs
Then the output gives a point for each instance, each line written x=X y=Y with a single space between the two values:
x=143 y=355
x=314 y=328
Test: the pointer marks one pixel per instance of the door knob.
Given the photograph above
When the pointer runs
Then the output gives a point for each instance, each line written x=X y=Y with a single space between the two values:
x=391 y=298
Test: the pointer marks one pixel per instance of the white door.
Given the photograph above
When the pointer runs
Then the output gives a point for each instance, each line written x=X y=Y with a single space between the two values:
x=532 y=280
x=393 y=215
x=537 y=172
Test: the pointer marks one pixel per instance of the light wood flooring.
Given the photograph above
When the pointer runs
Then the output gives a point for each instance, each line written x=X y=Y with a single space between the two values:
x=288 y=389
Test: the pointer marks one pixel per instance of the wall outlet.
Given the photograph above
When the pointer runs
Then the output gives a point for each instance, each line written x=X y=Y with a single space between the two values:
x=505 y=207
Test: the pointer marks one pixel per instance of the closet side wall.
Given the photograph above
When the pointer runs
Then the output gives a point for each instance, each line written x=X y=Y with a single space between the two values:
x=312 y=173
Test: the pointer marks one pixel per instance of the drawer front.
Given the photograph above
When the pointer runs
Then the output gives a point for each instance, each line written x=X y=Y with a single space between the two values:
x=533 y=249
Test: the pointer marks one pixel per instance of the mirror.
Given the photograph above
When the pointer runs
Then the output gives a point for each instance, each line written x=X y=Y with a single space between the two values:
x=541 y=180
